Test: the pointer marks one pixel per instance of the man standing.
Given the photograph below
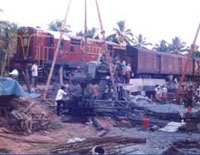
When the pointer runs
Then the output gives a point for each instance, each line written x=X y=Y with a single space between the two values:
x=59 y=99
x=190 y=95
x=34 y=72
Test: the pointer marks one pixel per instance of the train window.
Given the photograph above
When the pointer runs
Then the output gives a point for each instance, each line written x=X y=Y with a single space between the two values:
x=62 y=45
x=110 y=47
x=75 y=41
x=71 y=49
x=51 y=39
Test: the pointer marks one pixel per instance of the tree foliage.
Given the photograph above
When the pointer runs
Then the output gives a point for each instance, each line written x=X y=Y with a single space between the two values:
x=177 y=46
x=91 y=33
x=8 y=43
x=140 y=41
x=56 y=24
x=121 y=35
x=162 y=46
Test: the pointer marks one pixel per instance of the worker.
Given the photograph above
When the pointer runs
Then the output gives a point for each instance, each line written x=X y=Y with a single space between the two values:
x=123 y=71
x=198 y=94
x=189 y=96
x=128 y=73
x=164 y=93
x=158 y=93
x=75 y=95
x=95 y=90
x=59 y=99
x=34 y=73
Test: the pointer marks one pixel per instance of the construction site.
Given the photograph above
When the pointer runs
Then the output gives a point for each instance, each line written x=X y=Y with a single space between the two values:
x=64 y=94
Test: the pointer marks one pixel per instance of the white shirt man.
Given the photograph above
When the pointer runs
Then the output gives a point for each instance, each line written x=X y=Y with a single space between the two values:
x=60 y=94
x=34 y=70
x=59 y=99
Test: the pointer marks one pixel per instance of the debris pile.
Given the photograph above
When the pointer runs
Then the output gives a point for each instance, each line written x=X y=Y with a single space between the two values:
x=22 y=115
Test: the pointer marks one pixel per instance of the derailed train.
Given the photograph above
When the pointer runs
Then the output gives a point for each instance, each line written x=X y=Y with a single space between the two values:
x=35 y=44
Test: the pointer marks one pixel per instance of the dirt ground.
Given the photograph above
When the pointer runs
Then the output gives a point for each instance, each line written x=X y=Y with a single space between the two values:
x=41 y=142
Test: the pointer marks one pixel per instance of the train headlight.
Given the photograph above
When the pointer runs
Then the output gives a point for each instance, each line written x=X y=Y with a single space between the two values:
x=25 y=41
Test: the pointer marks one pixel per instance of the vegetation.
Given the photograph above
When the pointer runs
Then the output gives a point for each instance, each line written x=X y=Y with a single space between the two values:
x=140 y=41
x=92 y=33
x=56 y=24
x=162 y=46
x=121 y=35
x=8 y=43
x=177 y=45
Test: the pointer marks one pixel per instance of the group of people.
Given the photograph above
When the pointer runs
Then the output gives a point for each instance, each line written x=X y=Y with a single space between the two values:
x=161 y=93
x=72 y=95
x=34 y=74
x=123 y=71
x=187 y=95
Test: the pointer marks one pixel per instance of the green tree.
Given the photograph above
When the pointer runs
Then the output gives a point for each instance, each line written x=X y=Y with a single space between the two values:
x=80 y=34
x=177 y=45
x=92 y=33
x=121 y=34
x=8 y=43
x=56 y=24
x=140 y=41
x=162 y=46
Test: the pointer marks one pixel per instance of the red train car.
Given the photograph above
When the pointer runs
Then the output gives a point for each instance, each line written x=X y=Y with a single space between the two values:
x=38 y=44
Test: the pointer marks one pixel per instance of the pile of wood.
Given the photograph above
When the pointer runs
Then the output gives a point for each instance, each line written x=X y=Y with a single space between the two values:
x=23 y=115
x=111 y=145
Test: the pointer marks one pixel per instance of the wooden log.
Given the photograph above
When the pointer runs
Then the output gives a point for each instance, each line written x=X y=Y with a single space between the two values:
x=97 y=124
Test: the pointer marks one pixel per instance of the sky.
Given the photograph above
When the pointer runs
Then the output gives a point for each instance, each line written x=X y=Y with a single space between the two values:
x=154 y=19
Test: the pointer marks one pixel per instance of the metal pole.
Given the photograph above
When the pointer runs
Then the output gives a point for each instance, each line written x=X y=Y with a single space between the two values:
x=100 y=21
x=56 y=52
x=187 y=61
x=85 y=34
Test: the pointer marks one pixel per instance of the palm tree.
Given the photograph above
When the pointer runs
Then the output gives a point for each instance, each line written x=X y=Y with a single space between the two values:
x=92 y=33
x=140 y=41
x=177 y=45
x=163 y=46
x=8 y=43
x=56 y=24
x=121 y=34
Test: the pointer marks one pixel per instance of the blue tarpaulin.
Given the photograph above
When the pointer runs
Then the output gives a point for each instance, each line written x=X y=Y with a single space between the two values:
x=9 y=86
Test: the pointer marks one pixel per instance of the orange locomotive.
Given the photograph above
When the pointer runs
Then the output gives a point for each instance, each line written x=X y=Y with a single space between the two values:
x=35 y=44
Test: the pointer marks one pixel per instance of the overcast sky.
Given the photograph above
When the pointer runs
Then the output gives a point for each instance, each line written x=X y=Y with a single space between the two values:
x=155 y=19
